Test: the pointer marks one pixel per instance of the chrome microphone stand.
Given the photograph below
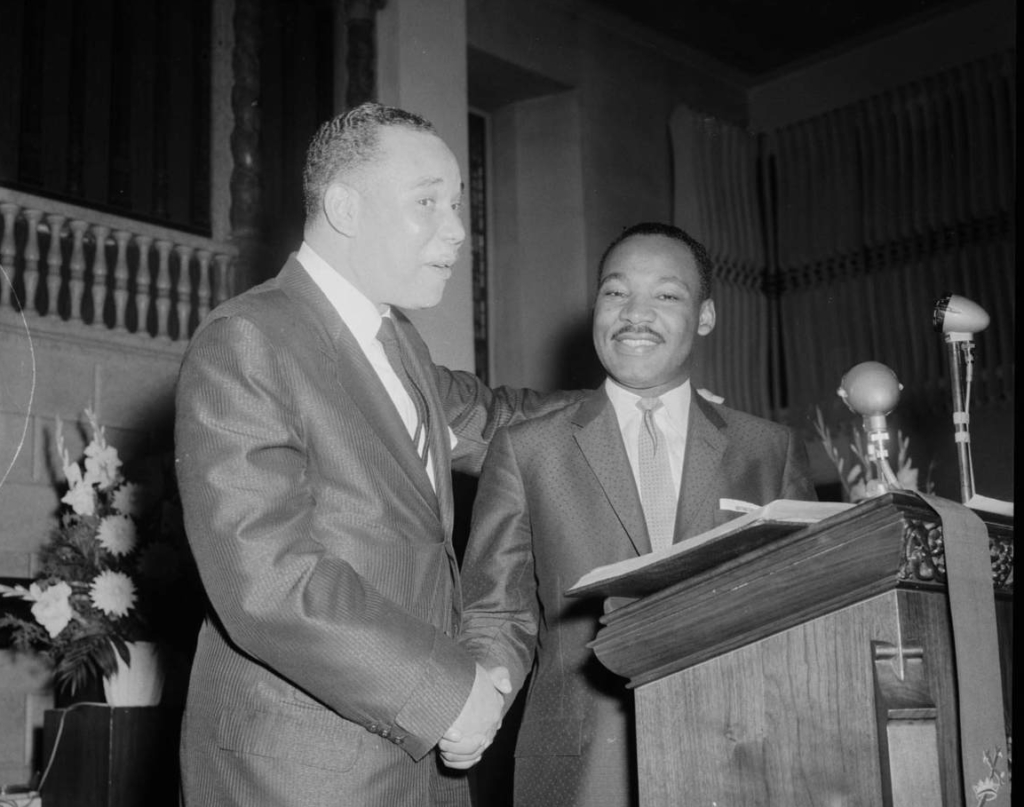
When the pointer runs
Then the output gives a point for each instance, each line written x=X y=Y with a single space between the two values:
x=959 y=319
x=871 y=390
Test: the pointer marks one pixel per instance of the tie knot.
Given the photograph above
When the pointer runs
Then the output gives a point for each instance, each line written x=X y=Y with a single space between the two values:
x=649 y=404
x=387 y=333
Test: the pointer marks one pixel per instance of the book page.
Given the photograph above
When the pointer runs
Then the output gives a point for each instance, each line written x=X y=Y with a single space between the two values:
x=645 y=574
x=988 y=505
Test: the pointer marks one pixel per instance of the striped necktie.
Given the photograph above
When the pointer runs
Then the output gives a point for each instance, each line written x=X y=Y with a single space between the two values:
x=388 y=337
x=657 y=493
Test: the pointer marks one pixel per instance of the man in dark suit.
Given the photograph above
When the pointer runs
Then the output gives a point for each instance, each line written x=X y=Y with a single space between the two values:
x=315 y=441
x=640 y=462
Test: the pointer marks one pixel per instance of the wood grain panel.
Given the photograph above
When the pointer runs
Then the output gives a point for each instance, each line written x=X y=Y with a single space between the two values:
x=789 y=721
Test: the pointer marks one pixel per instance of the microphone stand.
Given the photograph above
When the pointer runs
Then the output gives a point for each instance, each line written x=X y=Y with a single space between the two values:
x=877 y=431
x=961 y=354
x=871 y=390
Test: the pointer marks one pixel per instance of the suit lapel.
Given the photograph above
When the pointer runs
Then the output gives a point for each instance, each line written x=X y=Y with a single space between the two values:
x=597 y=433
x=705 y=445
x=440 y=445
x=356 y=377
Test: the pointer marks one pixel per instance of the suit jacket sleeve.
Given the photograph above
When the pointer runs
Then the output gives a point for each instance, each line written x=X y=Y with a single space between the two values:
x=475 y=412
x=501 y=611
x=280 y=593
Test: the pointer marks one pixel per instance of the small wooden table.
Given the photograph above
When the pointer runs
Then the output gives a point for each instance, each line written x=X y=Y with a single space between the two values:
x=124 y=756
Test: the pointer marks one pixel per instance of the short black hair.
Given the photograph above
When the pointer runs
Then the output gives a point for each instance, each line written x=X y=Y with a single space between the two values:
x=700 y=253
x=348 y=141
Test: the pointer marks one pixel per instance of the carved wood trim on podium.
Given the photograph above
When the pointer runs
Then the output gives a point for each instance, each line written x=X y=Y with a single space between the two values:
x=816 y=670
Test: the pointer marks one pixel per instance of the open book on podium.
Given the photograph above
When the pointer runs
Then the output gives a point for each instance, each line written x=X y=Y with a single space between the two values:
x=646 y=574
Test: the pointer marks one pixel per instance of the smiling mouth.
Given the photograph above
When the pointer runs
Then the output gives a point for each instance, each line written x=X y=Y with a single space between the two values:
x=637 y=338
x=636 y=347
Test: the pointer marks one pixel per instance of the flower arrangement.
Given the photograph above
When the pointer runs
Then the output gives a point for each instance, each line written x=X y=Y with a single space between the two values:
x=858 y=475
x=107 y=571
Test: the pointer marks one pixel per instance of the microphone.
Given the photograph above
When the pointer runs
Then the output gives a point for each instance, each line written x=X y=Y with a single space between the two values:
x=871 y=390
x=958 y=319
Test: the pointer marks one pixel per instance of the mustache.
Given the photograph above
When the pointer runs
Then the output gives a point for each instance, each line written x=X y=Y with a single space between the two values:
x=637 y=330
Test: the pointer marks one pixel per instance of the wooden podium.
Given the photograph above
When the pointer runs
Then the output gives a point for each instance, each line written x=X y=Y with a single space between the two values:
x=817 y=670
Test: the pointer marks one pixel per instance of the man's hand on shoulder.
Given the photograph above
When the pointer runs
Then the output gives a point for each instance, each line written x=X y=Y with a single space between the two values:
x=473 y=730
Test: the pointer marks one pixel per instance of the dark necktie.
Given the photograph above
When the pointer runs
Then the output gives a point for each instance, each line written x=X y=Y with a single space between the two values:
x=657 y=493
x=388 y=337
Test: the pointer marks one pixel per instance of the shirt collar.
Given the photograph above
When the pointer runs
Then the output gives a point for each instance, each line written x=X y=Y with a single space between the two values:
x=355 y=309
x=676 y=403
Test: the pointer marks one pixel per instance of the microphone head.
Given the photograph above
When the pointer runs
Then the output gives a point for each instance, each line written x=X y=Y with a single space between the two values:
x=870 y=389
x=956 y=314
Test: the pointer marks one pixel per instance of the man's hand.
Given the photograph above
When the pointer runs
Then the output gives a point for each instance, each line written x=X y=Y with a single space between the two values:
x=473 y=730
x=501 y=679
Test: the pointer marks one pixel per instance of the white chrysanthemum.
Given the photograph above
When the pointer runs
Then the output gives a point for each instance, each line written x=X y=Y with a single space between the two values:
x=52 y=607
x=131 y=498
x=117 y=534
x=81 y=498
x=101 y=464
x=113 y=593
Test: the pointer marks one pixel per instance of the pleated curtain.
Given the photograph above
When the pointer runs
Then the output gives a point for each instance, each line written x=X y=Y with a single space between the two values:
x=833 y=238
x=717 y=201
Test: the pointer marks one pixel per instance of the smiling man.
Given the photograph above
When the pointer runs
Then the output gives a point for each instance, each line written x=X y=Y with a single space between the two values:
x=636 y=464
x=315 y=441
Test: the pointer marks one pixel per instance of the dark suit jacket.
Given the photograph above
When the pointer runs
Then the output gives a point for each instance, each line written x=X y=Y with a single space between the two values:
x=329 y=668
x=557 y=498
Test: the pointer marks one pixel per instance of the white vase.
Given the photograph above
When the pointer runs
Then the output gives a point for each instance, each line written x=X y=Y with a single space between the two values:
x=139 y=683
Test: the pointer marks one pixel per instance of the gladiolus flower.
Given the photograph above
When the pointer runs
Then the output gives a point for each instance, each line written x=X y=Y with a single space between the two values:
x=81 y=498
x=101 y=465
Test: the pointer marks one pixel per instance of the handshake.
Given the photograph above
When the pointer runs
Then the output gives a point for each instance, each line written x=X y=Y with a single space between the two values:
x=473 y=730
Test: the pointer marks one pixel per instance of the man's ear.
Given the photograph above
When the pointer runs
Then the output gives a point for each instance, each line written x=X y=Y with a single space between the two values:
x=341 y=207
x=706 y=323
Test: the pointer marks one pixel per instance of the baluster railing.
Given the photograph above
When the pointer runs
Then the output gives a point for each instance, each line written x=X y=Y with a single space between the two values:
x=31 y=278
x=76 y=280
x=54 y=262
x=121 y=238
x=151 y=287
x=203 y=257
x=9 y=212
x=99 y=273
x=143 y=282
x=163 y=287
x=183 y=290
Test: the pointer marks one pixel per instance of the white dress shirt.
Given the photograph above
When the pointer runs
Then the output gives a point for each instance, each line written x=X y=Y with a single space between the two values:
x=672 y=418
x=363 y=319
